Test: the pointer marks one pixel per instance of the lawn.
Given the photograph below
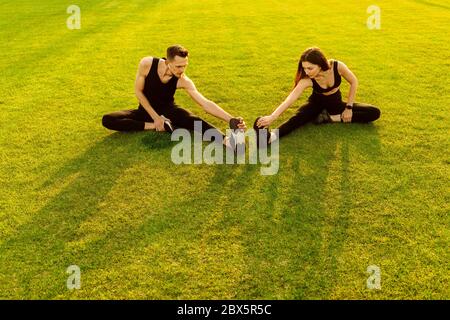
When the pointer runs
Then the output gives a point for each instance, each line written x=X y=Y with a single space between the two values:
x=345 y=197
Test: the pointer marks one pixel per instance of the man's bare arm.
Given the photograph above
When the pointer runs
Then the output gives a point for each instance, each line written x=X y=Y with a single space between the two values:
x=143 y=69
x=291 y=98
x=207 y=105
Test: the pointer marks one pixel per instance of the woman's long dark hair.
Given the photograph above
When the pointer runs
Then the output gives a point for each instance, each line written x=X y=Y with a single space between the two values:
x=312 y=55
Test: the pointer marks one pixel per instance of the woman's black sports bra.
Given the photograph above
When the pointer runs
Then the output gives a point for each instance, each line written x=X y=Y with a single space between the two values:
x=337 y=81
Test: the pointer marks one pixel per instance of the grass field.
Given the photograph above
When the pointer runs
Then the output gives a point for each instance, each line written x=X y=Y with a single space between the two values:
x=140 y=227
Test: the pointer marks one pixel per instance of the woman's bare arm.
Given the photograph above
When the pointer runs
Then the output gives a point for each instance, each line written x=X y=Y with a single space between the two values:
x=291 y=98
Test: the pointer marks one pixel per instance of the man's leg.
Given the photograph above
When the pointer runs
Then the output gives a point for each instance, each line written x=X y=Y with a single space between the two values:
x=306 y=113
x=364 y=113
x=128 y=120
x=182 y=118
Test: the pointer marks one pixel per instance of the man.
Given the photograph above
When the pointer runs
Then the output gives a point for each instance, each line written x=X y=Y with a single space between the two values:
x=156 y=83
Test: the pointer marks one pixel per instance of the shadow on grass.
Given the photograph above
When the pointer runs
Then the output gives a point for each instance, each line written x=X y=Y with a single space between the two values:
x=32 y=257
x=294 y=253
x=37 y=255
x=289 y=250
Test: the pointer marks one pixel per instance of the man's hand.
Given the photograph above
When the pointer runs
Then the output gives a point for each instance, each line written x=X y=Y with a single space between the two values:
x=237 y=123
x=347 y=115
x=159 y=123
x=265 y=121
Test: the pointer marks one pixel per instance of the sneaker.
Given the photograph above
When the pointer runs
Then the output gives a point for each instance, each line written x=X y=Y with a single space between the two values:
x=234 y=123
x=323 y=117
x=236 y=141
x=261 y=133
x=168 y=125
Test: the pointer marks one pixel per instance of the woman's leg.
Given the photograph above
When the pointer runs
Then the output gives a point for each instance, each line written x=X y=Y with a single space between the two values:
x=364 y=113
x=126 y=120
x=306 y=113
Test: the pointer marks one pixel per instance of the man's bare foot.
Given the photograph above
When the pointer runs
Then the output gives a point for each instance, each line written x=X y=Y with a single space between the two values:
x=149 y=126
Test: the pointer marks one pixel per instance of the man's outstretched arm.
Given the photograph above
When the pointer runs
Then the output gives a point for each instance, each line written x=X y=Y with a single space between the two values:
x=207 y=105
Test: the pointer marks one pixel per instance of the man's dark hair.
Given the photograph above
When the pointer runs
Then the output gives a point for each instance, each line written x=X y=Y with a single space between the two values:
x=176 y=50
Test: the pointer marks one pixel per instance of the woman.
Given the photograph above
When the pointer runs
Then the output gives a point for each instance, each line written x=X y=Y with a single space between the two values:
x=325 y=104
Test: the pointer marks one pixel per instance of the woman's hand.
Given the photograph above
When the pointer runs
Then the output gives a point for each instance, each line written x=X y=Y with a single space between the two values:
x=265 y=121
x=347 y=115
x=242 y=124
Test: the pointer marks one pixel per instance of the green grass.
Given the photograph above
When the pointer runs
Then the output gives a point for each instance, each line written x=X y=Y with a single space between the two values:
x=140 y=227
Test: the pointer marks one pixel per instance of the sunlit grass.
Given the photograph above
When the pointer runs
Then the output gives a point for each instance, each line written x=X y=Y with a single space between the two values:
x=141 y=227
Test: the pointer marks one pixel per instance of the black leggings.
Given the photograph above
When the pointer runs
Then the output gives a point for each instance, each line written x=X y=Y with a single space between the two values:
x=362 y=113
x=134 y=120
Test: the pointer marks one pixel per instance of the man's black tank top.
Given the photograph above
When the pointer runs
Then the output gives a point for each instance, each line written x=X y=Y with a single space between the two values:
x=337 y=81
x=160 y=95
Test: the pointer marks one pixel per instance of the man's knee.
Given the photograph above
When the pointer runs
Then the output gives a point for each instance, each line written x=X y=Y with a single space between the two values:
x=186 y=120
x=108 y=121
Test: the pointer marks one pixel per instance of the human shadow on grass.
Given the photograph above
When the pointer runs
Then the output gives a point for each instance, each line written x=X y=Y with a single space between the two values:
x=39 y=246
x=43 y=241
x=289 y=254
x=40 y=250
x=294 y=254
x=195 y=221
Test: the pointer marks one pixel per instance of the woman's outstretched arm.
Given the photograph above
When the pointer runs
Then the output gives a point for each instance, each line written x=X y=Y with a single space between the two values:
x=293 y=96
